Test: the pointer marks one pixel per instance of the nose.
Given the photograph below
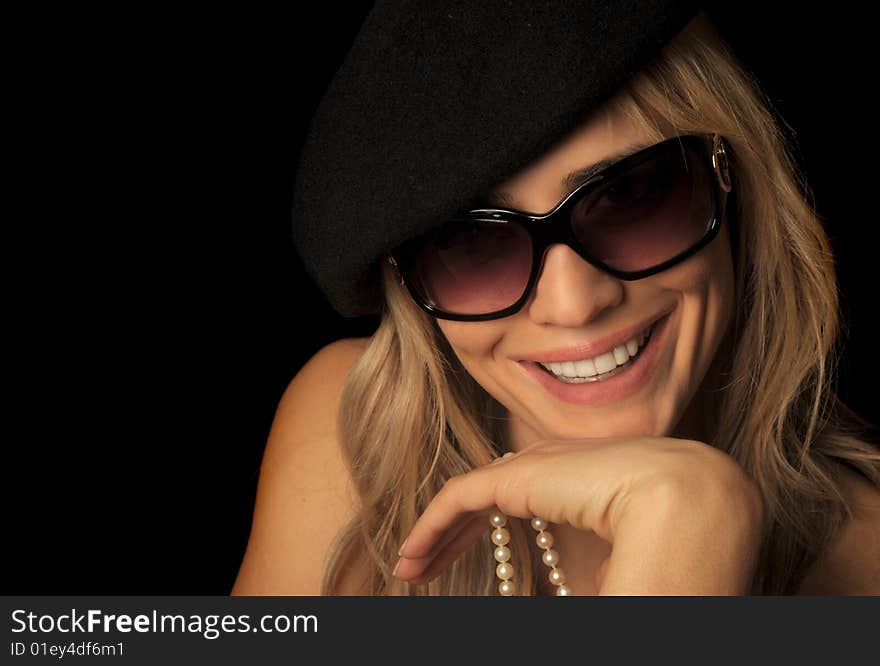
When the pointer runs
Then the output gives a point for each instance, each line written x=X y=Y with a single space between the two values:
x=570 y=291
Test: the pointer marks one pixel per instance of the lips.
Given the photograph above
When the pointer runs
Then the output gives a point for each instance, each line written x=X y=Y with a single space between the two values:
x=609 y=373
x=596 y=347
x=622 y=382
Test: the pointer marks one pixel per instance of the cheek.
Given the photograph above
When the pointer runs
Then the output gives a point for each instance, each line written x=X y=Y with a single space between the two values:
x=706 y=281
x=472 y=342
x=705 y=285
x=718 y=278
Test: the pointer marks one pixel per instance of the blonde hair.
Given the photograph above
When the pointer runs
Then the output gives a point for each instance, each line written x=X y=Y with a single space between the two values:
x=412 y=416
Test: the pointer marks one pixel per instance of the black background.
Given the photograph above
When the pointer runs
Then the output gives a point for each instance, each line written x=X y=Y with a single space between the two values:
x=157 y=309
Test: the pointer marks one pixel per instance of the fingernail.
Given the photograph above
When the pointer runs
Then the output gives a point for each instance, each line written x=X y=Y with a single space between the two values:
x=501 y=458
x=402 y=546
x=394 y=570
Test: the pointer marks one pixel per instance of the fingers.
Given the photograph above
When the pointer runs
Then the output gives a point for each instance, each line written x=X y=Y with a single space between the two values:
x=408 y=565
x=423 y=570
x=459 y=497
x=451 y=523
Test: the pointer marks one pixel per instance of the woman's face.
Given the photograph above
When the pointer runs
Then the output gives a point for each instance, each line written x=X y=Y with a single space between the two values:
x=575 y=304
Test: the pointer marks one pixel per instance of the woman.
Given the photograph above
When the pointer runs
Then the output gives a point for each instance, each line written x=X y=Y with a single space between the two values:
x=657 y=370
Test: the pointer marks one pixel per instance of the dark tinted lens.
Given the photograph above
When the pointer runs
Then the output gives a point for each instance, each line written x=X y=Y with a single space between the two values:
x=473 y=267
x=649 y=214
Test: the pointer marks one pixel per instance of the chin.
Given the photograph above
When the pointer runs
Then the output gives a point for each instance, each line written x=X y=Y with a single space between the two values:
x=588 y=431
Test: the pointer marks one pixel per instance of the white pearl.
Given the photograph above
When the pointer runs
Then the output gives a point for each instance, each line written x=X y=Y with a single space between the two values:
x=539 y=524
x=498 y=519
x=563 y=591
x=557 y=576
x=507 y=588
x=508 y=454
x=544 y=539
x=502 y=554
x=500 y=536
x=504 y=571
x=550 y=557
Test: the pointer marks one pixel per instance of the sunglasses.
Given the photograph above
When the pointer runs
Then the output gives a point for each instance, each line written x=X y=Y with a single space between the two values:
x=641 y=215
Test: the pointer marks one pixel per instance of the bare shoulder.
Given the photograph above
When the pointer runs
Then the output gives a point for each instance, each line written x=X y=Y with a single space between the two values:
x=304 y=494
x=851 y=566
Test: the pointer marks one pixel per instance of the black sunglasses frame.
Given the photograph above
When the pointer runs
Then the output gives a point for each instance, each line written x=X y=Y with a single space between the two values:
x=553 y=227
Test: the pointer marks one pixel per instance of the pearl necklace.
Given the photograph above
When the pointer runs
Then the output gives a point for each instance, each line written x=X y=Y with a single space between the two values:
x=504 y=570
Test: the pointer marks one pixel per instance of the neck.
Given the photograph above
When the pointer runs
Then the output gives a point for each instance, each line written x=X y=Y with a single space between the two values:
x=694 y=423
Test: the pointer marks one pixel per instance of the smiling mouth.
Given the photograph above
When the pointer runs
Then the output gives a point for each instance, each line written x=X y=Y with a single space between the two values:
x=601 y=376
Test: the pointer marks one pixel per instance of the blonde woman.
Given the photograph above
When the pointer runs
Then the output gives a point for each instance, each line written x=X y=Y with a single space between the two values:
x=608 y=373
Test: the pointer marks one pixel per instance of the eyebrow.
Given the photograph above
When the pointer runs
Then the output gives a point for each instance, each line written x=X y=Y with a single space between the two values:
x=576 y=178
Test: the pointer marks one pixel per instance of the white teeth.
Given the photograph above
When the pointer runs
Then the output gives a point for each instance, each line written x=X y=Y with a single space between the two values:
x=605 y=362
x=585 y=368
x=600 y=364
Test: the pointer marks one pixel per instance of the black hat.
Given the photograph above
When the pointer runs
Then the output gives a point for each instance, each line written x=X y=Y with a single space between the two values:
x=438 y=101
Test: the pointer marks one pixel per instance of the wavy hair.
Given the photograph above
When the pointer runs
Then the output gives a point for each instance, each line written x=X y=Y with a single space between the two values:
x=411 y=416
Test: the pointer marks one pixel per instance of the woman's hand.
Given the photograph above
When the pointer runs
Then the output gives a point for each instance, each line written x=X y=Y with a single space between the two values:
x=683 y=517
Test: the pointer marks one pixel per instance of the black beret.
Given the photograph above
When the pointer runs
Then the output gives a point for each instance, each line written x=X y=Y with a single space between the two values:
x=436 y=102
